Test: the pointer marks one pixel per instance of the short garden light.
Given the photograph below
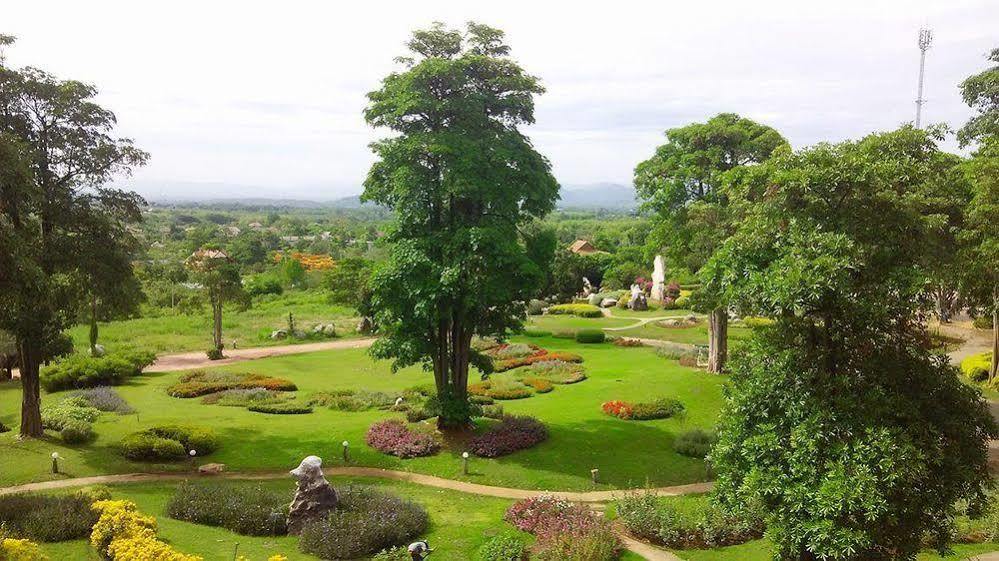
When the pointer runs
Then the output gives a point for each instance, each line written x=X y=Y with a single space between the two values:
x=595 y=474
x=192 y=454
x=464 y=463
x=346 y=452
x=55 y=462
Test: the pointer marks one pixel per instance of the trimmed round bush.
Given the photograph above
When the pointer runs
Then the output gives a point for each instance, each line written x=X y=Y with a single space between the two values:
x=695 y=443
x=77 y=432
x=581 y=310
x=503 y=547
x=168 y=443
x=82 y=371
x=395 y=438
x=250 y=511
x=589 y=336
x=365 y=522
x=512 y=433
x=662 y=408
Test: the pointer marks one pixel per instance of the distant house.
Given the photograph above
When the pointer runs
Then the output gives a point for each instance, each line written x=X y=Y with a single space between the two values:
x=583 y=247
x=256 y=226
x=231 y=231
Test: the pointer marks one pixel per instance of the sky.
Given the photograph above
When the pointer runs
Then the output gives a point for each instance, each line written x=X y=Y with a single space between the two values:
x=265 y=99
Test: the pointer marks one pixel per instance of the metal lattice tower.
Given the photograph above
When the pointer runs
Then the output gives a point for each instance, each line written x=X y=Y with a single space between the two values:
x=925 y=38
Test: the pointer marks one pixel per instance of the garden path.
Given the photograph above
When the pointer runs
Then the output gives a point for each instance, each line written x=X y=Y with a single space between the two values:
x=191 y=360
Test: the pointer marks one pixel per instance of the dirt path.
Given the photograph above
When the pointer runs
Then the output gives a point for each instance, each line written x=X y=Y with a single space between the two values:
x=647 y=551
x=188 y=361
x=975 y=340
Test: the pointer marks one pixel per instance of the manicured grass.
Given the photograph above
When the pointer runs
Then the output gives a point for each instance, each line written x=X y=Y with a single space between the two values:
x=250 y=328
x=696 y=335
x=628 y=453
x=557 y=323
x=626 y=313
x=460 y=523
x=760 y=550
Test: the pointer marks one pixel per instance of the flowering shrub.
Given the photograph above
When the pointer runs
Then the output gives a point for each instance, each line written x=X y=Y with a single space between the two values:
x=82 y=371
x=503 y=547
x=121 y=533
x=695 y=443
x=105 y=398
x=365 y=522
x=617 y=408
x=513 y=433
x=565 y=531
x=556 y=371
x=650 y=517
x=200 y=382
x=20 y=550
x=581 y=310
x=251 y=511
x=540 y=385
x=309 y=261
x=393 y=437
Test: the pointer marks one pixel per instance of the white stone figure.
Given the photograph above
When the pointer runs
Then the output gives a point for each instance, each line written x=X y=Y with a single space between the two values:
x=658 y=279
x=587 y=287
x=635 y=291
x=314 y=497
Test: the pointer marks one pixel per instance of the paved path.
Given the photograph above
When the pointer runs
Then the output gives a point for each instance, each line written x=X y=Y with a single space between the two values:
x=647 y=551
x=188 y=361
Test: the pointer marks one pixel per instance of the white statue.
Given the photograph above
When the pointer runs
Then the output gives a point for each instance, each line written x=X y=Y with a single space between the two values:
x=635 y=291
x=587 y=287
x=658 y=279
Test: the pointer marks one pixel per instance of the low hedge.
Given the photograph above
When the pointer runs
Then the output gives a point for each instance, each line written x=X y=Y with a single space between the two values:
x=286 y=408
x=250 y=511
x=201 y=382
x=168 y=443
x=587 y=336
x=78 y=371
x=580 y=310
x=50 y=518
x=503 y=547
x=512 y=433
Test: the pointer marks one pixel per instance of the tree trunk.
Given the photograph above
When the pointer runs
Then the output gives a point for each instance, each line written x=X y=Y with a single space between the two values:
x=31 y=398
x=994 y=370
x=217 y=324
x=93 y=325
x=717 y=340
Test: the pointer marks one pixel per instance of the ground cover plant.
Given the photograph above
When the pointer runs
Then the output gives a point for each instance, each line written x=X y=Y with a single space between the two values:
x=246 y=397
x=72 y=418
x=365 y=521
x=513 y=433
x=203 y=382
x=169 y=443
x=695 y=443
x=284 y=408
x=353 y=400
x=105 y=398
x=49 y=518
x=77 y=370
x=688 y=524
x=252 y=510
x=564 y=530
x=395 y=438
x=662 y=408
x=580 y=310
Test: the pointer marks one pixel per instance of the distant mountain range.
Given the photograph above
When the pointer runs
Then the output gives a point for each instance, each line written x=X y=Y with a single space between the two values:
x=607 y=196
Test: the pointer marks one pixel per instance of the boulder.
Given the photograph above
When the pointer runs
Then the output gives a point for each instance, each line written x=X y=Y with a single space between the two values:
x=594 y=299
x=608 y=302
x=639 y=302
x=314 y=496
x=98 y=351
x=211 y=469
x=279 y=334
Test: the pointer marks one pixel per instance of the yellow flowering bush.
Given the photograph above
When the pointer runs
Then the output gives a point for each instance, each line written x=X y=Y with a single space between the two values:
x=20 y=550
x=122 y=533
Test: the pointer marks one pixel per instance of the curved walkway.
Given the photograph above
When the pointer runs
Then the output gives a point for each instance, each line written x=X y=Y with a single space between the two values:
x=647 y=551
x=188 y=361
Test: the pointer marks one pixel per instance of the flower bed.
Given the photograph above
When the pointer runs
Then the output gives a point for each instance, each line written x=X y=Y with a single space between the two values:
x=250 y=511
x=556 y=371
x=201 y=382
x=285 y=408
x=124 y=534
x=564 y=530
x=511 y=434
x=657 y=520
x=662 y=408
x=394 y=438
x=536 y=355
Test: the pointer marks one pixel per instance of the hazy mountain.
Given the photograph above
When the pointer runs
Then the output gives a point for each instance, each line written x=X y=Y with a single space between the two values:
x=598 y=195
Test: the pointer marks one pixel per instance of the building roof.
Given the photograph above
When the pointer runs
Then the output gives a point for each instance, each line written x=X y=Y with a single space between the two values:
x=583 y=247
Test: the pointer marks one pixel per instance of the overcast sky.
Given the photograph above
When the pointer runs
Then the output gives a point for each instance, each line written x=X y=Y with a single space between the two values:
x=270 y=94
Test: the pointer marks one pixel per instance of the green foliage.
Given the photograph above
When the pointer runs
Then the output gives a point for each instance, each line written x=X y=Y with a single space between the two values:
x=348 y=282
x=48 y=518
x=983 y=322
x=695 y=443
x=259 y=285
x=590 y=336
x=460 y=179
x=569 y=269
x=660 y=521
x=250 y=511
x=536 y=307
x=82 y=371
x=168 y=443
x=662 y=408
x=503 y=547
x=77 y=432
x=581 y=310
x=981 y=92
x=283 y=408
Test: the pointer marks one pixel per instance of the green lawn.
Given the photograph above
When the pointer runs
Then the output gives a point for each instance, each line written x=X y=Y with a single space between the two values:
x=628 y=453
x=460 y=523
x=626 y=313
x=559 y=323
x=696 y=335
x=760 y=550
x=251 y=327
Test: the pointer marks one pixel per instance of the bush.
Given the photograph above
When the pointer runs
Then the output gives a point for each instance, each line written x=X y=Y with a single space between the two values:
x=539 y=385
x=503 y=547
x=617 y=408
x=261 y=284
x=581 y=310
x=251 y=511
x=284 y=408
x=55 y=417
x=13 y=549
x=982 y=322
x=511 y=434
x=590 y=336
x=105 y=398
x=536 y=307
x=77 y=432
x=47 y=518
x=200 y=382
x=682 y=303
x=492 y=411
x=535 y=332
x=695 y=443
x=77 y=371
x=393 y=437
x=245 y=398
x=662 y=408
x=657 y=520
x=121 y=533
x=366 y=522
x=628 y=342
x=417 y=414
x=565 y=531
x=168 y=442
x=214 y=354
x=976 y=367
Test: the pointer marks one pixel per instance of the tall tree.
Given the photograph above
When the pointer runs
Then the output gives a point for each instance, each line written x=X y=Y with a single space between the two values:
x=219 y=275
x=981 y=93
x=851 y=434
x=60 y=150
x=684 y=184
x=460 y=178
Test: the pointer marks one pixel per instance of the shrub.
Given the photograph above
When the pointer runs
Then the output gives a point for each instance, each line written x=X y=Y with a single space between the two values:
x=565 y=531
x=503 y=547
x=251 y=511
x=662 y=408
x=396 y=553
x=757 y=322
x=200 y=382
x=121 y=533
x=658 y=521
x=55 y=417
x=539 y=385
x=105 y=398
x=511 y=434
x=682 y=303
x=366 y=521
x=598 y=543
x=976 y=367
x=481 y=399
x=628 y=342
x=77 y=432
x=263 y=284
x=47 y=518
x=564 y=334
x=245 y=397
x=393 y=437
x=168 y=442
x=417 y=414
x=13 y=549
x=214 y=354
x=492 y=411
x=590 y=336
x=695 y=443
x=581 y=310
x=617 y=408
x=535 y=332
x=284 y=408
x=982 y=322
x=83 y=371
x=536 y=307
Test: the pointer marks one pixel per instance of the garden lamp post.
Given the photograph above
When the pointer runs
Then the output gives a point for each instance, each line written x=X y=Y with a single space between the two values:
x=464 y=463
x=346 y=452
x=55 y=462
x=193 y=454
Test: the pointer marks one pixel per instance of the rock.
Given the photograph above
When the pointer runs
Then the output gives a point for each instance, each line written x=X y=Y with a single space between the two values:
x=608 y=302
x=314 y=497
x=364 y=326
x=211 y=469
x=279 y=334
x=98 y=351
x=329 y=330
x=639 y=302
x=594 y=299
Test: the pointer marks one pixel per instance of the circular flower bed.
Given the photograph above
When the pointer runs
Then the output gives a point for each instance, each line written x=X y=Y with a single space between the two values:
x=564 y=530
x=511 y=434
x=394 y=438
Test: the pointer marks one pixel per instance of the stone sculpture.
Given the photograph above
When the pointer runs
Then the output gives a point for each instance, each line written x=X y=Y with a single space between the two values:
x=658 y=279
x=314 y=496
